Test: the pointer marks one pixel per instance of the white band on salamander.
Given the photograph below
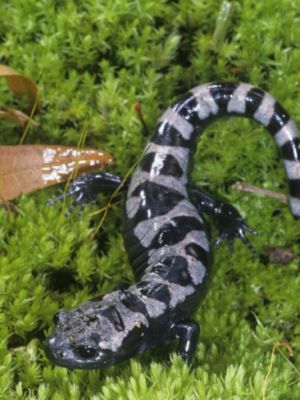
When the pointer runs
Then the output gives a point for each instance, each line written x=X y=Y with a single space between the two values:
x=287 y=133
x=295 y=206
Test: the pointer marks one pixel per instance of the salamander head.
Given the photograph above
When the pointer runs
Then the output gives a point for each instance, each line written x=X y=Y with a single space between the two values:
x=94 y=335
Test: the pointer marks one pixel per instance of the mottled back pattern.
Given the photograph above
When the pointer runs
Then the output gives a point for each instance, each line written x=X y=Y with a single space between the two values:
x=165 y=235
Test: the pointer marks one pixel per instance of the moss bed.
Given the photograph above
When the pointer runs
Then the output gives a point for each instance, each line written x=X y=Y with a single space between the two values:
x=93 y=61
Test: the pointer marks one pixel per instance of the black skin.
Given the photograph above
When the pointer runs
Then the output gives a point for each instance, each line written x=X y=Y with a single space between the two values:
x=85 y=188
x=228 y=220
x=187 y=332
x=103 y=333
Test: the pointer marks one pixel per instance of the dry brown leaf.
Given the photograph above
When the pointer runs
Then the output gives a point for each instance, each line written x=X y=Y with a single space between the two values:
x=279 y=255
x=25 y=168
x=17 y=116
x=21 y=84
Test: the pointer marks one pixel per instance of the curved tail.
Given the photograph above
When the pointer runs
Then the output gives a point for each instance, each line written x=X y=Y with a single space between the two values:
x=181 y=123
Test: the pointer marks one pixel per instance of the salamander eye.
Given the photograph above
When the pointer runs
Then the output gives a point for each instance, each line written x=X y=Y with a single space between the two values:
x=85 y=351
x=56 y=318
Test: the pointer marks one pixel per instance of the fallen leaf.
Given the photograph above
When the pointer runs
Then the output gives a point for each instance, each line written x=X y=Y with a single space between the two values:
x=279 y=255
x=21 y=84
x=17 y=116
x=25 y=168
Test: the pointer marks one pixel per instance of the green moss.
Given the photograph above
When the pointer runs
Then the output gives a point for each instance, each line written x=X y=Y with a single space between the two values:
x=93 y=60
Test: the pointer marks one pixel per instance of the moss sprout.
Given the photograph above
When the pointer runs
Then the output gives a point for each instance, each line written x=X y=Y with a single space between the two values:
x=93 y=61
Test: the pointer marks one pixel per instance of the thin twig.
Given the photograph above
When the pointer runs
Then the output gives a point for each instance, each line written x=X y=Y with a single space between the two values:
x=246 y=187
x=275 y=347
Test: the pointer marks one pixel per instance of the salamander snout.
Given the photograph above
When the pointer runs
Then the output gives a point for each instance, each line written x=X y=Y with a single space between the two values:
x=79 y=340
x=62 y=351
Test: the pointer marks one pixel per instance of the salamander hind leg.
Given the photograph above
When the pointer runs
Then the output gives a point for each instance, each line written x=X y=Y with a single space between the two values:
x=229 y=222
x=187 y=332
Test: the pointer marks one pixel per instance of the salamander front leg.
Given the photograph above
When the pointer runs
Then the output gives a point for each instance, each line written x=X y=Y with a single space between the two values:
x=187 y=332
x=85 y=188
x=230 y=224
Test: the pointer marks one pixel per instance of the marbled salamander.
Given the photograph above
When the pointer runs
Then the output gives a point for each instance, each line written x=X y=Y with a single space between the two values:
x=165 y=235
